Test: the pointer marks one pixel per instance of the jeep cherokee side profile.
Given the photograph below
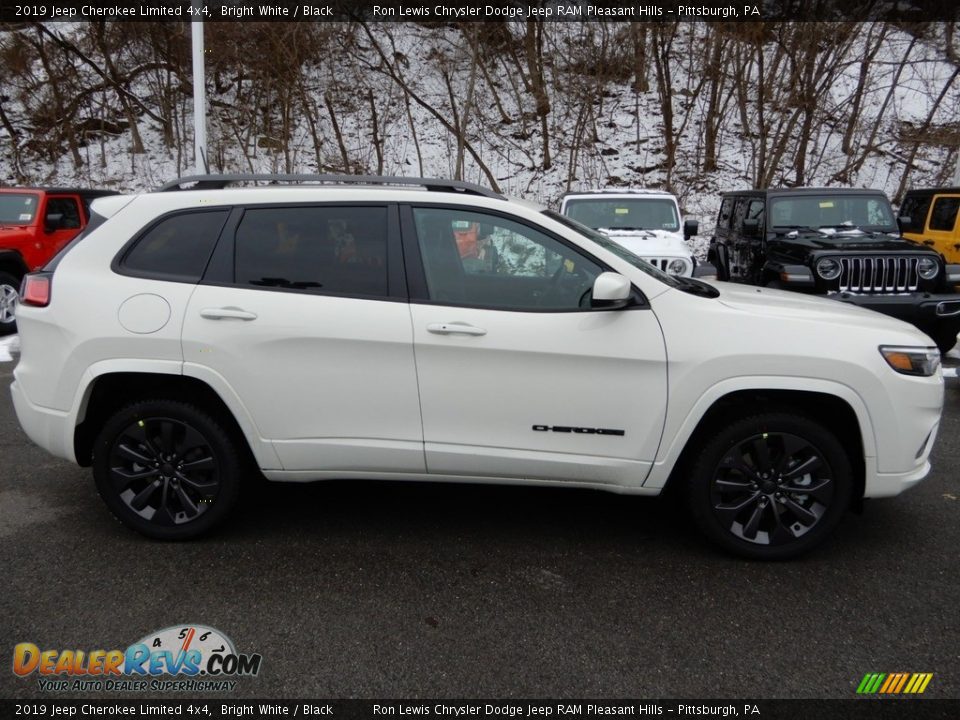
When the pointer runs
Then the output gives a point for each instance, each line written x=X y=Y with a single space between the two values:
x=35 y=223
x=329 y=327
x=839 y=242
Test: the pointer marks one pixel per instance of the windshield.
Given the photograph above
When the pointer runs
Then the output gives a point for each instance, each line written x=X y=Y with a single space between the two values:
x=17 y=208
x=616 y=248
x=835 y=212
x=640 y=213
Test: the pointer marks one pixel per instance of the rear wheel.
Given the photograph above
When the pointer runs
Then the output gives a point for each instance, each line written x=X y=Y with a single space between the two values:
x=9 y=296
x=167 y=469
x=771 y=486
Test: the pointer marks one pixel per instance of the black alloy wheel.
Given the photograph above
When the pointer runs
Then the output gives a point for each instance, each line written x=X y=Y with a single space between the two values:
x=166 y=469
x=771 y=486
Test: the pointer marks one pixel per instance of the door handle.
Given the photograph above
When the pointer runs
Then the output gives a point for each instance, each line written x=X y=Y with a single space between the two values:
x=227 y=313
x=929 y=242
x=455 y=328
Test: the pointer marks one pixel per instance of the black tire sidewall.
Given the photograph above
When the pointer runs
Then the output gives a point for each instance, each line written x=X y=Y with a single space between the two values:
x=221 y=444
x=703 y=468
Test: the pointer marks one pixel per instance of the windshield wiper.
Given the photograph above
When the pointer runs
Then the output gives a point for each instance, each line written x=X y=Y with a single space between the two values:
x=696 y=287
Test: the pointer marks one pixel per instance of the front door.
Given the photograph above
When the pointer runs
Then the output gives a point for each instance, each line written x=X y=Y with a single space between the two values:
x=519 y=377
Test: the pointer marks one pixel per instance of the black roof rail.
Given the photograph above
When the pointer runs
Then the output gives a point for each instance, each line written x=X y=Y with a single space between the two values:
x=218 y=182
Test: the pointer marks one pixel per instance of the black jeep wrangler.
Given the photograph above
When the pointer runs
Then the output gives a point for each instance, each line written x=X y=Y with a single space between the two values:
x=838 y=242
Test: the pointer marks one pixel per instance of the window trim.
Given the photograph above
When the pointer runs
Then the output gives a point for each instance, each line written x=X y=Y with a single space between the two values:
x=416 y=274
x=117 y=264
x=221 y=268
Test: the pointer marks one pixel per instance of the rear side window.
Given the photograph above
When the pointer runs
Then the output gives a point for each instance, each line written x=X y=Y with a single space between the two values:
x=323 y=249
x=176 y=248
x=944 y=215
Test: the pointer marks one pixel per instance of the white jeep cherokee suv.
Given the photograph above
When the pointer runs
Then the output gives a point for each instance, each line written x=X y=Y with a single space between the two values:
x=319 y=328
x=646 y=222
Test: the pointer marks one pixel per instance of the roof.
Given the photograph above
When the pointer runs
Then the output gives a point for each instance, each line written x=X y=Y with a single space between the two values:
x=84 y=192
x=618 y=191
x=934 y=191
x=783 y=192
x=219 y=182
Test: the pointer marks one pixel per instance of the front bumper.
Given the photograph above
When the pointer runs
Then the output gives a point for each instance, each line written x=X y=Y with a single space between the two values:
x=932 y=313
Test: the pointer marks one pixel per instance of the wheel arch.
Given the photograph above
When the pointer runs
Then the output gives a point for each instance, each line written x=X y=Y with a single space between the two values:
x=12 y=263
x=110 y=391
x=842 y=413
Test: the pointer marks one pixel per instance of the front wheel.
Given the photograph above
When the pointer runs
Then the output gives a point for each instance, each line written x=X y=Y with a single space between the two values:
x=166 y=468
x=9 y=296
x=771 y=486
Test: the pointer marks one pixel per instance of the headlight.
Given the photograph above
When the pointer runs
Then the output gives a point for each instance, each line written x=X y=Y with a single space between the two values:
x=677 y=267
x=828 y=268
x=911 y=360
x=927 y=267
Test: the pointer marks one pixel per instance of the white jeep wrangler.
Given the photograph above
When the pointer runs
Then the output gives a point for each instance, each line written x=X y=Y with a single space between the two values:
x=389 y=328
x=646 y=222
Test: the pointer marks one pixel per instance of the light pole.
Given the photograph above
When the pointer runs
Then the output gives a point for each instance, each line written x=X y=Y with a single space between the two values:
x=199 y=91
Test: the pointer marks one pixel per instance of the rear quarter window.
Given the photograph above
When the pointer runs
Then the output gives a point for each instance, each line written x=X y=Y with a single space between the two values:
x=175 y=248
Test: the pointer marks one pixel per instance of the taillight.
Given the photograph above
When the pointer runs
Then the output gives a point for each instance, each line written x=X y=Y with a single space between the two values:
x=36 y=289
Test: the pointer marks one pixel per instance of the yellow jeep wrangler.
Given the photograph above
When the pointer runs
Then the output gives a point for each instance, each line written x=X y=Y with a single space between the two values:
x=930 y=217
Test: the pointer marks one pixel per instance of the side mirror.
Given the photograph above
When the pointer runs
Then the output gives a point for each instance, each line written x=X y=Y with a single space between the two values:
x=52 y=221
x=751 y=227
x=610 y=290
x=903 y=222
x=690 y=228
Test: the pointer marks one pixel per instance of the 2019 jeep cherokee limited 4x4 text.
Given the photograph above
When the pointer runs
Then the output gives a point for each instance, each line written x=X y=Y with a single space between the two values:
x=311 y=330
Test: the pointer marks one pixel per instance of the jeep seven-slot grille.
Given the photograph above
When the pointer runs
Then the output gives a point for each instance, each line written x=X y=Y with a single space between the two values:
x=879 y=274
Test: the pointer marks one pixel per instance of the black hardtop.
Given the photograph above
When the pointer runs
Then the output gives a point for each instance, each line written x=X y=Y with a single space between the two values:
x=786 y=192
x=924 y=192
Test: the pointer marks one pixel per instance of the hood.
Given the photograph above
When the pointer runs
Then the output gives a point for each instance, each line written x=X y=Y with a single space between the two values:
x=794 y=306
x=847 y=241
x=650 y=242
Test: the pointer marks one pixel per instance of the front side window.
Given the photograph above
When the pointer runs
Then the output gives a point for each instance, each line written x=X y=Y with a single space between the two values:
x=68 y=211
x=944 y=215
x=176 y=248
x=726 y=210
x=476 y=259
x=626 y=213
x=915 y=208
x=325 y=249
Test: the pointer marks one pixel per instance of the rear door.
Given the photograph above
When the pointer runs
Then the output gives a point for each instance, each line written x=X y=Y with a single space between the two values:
x=519 y=377
x=303 y=316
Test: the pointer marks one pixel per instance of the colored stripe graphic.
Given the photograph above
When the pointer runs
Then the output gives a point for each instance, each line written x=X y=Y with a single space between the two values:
x=894 y=683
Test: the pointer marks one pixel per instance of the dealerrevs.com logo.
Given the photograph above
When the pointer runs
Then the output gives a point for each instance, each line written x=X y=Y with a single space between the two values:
x=186 y=658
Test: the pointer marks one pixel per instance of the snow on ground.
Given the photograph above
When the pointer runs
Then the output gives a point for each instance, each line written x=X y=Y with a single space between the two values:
x=8 y=346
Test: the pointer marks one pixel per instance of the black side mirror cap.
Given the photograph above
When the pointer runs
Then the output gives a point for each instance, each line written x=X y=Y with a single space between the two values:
x=52 y=221
x=690 y=228
x=903 y=222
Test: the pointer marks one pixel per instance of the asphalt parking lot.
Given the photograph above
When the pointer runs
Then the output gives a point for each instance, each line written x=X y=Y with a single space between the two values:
x=419 y=590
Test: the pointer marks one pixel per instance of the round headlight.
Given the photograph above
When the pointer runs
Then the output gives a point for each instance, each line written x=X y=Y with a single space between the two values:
x=677 y=267
x=927 y=267
x=828 y=269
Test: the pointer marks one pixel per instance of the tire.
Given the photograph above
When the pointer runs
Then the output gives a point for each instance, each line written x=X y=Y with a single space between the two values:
x=760 y=507
x=167 y=469
x=9 y=296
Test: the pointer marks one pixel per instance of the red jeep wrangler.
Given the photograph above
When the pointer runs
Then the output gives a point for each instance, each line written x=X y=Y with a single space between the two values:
x=34 y=224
